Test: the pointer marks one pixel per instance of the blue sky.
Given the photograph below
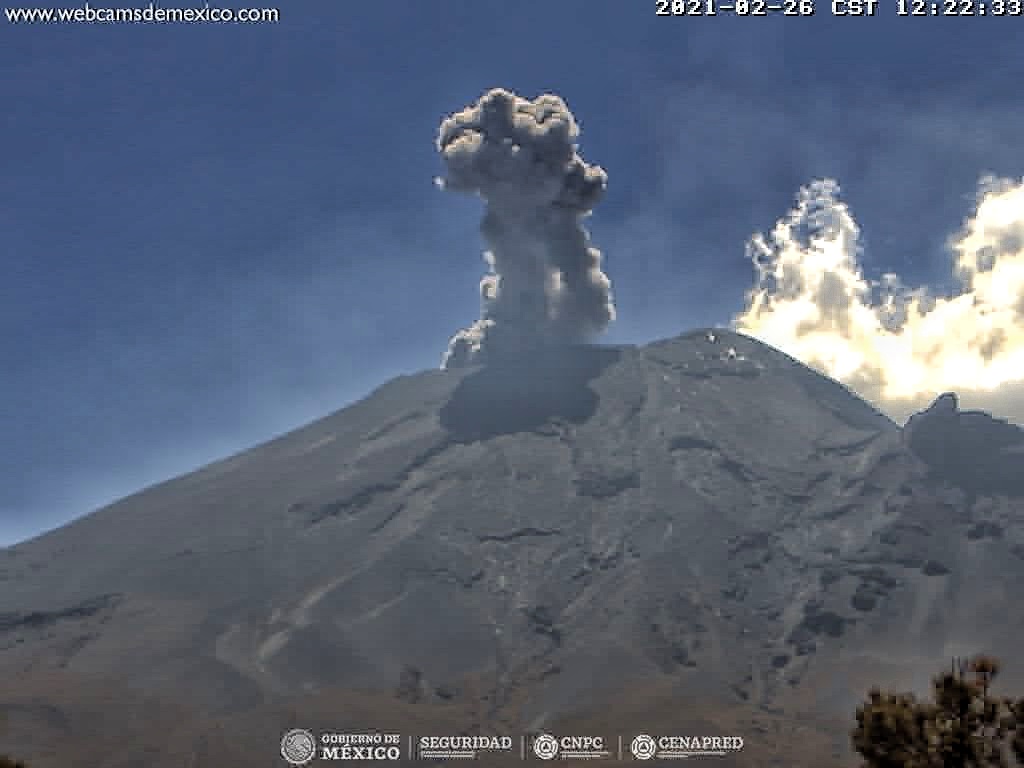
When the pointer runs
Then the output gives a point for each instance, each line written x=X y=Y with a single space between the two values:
x=214 y=233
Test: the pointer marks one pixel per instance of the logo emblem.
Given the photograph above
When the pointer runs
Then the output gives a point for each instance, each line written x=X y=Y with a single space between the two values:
x=545 y=747
x=643 y=747
x=298 y=746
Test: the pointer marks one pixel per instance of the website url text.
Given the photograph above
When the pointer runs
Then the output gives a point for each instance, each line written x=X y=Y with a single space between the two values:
x=150 y=14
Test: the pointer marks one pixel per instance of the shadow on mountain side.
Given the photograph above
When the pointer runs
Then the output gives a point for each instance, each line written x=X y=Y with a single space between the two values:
x=524 y=393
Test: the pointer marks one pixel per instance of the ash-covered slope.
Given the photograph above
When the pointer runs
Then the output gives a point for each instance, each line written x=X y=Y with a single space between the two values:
x=518 y=543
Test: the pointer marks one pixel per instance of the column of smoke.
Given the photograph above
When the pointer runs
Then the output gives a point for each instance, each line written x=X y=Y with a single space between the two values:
x=545 y=284
x=897 y=347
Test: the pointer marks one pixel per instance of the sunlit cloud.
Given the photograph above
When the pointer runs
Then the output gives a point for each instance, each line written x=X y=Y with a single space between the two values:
x=897 y=346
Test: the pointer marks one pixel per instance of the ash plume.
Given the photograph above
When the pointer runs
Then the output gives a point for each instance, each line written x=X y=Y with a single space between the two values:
x=897 y=346
x=545 y=284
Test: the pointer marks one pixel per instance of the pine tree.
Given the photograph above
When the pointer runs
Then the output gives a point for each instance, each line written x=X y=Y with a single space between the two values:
x=963 y=727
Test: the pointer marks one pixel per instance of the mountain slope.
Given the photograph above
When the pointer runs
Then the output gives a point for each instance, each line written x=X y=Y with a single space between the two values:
x=699 y=520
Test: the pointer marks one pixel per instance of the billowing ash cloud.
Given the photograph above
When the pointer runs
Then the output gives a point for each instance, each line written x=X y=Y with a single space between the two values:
x=545 y=283
x=898 y=347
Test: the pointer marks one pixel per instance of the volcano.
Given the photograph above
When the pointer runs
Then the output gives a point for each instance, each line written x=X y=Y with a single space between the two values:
x=699 y=535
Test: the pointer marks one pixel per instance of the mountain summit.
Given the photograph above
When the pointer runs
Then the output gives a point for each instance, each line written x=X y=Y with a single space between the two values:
x=697 y=533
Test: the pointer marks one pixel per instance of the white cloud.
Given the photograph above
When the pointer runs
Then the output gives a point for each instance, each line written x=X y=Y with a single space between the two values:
x=897 y=347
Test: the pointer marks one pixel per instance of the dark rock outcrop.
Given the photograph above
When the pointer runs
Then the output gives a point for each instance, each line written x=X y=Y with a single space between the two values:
x=968 y=449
